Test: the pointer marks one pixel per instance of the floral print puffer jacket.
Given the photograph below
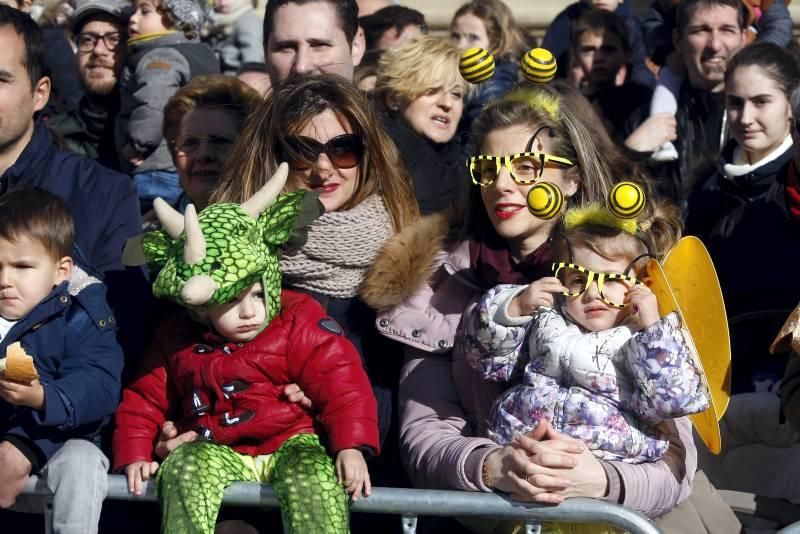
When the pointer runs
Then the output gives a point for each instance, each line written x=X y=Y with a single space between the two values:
x=611 y=389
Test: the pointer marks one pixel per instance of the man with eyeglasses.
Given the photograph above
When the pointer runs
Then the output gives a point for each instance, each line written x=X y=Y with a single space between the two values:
x=99 y=33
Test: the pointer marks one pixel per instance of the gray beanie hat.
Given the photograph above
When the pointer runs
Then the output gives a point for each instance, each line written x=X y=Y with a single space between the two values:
x=190 y=14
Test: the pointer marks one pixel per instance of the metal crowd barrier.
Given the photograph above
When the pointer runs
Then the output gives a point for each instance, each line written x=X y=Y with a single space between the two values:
x=411 y=503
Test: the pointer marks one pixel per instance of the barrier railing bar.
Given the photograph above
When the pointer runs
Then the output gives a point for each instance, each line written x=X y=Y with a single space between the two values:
x=410 y=503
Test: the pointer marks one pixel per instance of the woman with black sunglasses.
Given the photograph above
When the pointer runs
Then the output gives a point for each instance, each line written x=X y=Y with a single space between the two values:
x=429 y=278
x=327 y=132
x=334 y=144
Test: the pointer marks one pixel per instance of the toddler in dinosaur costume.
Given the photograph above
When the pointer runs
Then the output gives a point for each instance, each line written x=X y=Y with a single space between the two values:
x=224 y=373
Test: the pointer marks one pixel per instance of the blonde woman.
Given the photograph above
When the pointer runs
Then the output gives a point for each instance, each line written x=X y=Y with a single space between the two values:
x=421 y=94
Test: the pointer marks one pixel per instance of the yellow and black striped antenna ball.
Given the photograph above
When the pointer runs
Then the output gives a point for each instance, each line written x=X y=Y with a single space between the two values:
x=476 y=65
x=539 y=65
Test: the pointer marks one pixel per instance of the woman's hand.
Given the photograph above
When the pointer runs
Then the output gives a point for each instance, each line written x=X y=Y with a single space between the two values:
x=132 y=156
x=525 y=468
x=352 y=473
x=546 y=467
x=585 y=477
x=539 y=293
x=138 y=472
x=169 y=440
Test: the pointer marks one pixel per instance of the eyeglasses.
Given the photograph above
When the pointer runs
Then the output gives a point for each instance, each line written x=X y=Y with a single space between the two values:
x=219 y=146
x=344 y=151
x=86 y=42
x=525 y=168
x=611 y=286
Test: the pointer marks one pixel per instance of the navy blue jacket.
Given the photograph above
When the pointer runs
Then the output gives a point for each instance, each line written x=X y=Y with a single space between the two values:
x=506 y=73
x=105 y=207
x=103 y=203
x=72 y=340
x=557 y=40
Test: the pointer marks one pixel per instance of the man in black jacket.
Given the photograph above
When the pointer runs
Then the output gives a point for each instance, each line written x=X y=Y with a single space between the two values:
x=708 y=34
x=99 y=30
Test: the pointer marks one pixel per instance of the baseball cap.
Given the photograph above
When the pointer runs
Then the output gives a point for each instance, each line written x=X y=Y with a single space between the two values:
x=119 y=10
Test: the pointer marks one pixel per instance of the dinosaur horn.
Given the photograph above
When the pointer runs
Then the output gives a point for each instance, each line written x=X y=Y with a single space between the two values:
x=170 y=219
x=198 y=290
x=265 y=196
x=194 y=250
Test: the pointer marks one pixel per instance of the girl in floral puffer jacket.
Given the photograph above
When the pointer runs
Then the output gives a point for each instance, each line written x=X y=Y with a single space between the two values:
x=601 y=365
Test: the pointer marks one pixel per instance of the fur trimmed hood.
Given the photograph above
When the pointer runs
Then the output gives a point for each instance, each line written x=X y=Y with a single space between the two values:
x=408 y=260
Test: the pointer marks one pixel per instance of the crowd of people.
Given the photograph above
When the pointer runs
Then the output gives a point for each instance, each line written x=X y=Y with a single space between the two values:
x=292 y=244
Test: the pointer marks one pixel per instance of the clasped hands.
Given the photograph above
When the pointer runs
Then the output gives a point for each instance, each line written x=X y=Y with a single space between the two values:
x=545 y=466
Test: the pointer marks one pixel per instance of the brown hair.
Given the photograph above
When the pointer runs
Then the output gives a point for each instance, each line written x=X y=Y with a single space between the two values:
x=778 y=64
x=686 y=10
x=208 y=91
x=346 y=12
x=601 y=20
x=39 y=215
x=659 y=230
x=578 y=136
x=292 y=105
x=506 y=39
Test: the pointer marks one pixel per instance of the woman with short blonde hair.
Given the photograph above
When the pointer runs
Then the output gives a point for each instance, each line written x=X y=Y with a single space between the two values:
x=421 y=93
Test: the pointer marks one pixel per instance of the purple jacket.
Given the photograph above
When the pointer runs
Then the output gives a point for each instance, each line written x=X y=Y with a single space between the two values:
x=421 y=293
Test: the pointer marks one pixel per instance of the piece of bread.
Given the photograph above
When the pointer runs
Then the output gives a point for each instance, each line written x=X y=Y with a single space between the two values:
x=17 y=365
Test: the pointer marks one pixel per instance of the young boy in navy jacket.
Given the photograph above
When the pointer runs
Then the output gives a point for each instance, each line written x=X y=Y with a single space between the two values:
x=58 y=312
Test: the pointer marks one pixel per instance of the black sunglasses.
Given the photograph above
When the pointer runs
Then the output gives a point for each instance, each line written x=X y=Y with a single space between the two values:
x=345 y=151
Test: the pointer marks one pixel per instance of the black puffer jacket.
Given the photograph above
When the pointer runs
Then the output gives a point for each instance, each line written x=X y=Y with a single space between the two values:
x=702 y=132
x=755 y=246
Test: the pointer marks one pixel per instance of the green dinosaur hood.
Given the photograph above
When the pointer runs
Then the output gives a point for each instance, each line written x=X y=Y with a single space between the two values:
x=207 y=259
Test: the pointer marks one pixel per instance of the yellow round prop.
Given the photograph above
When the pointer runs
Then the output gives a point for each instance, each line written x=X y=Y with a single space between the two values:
x=626 y=200
x=539 y=65
x=476 y=65
x=687 y=282
x=545 y=200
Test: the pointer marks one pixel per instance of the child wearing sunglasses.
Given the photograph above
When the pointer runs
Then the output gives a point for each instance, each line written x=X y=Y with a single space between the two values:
x=593 y=355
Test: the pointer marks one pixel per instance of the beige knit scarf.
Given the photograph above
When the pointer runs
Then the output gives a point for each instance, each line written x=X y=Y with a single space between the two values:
x=341 y=246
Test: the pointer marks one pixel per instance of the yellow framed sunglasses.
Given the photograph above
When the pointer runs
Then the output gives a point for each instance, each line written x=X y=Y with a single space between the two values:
x=611 y=286
x=525 y=168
